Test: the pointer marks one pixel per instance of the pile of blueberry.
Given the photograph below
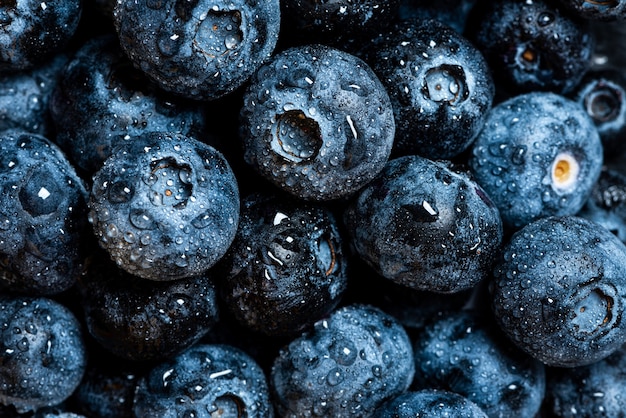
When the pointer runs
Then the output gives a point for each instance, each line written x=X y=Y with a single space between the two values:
x=304 y=208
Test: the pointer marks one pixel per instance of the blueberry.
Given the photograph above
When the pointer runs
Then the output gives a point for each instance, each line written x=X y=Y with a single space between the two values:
x=204 y=380
x=33 y=31
x=429 y=403
x=439 y=84
x=539 y=154
x=25 y=96
x=347 y=365
x=287 y=267
x=139 y=320
x=101 y=100
x=602 y=94
x=607 y=203
x=165 y=206
x=558 y=291
x=196 y=49
x=317 y=122
x=43 y=222
x=425 y=225
x=597 y=10
x=532 y=45
x=588 y=391
x=43 y=352
x=465 y=353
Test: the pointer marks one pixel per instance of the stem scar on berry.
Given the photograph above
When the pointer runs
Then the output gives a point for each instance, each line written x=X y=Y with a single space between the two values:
x=564 y=172
x=603 y=103
x=296 y=137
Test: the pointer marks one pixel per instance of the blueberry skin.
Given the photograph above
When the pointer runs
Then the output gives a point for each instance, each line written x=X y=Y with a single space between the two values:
x=165 y=206
x=439 y=83
x=287 y=267
x=532 y=46
x=139 y=320
x=346 y=366
x=454 y=13
x=195 y=49
x=600 y=11
x=43 y=352
x=588 y=391
x=429 y=403
x=34 y=31
x=101 y=100
x=539 y=154
x=203 y=381
x=25 y=97
x=602 y=94
x=607 y=203
x=317 y=123
x=558 y=291
x=464 y=352
x=43 y=216
x=425 y=225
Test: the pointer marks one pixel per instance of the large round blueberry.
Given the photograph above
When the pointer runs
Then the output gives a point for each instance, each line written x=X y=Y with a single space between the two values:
x=201 y=50
x=287 y=267
x=559 y=291
x=346 y=366
x=532 y=45
x=425 y=225
x=429 y=403
x=43 y=352
x=539 y=154
x=43 y=216
x=203 y=381
x=33 y=31
x=317 y=122
x=139 y=320
x=165 y=206
x=101 y=101
x=439 y=84
x=464 y=352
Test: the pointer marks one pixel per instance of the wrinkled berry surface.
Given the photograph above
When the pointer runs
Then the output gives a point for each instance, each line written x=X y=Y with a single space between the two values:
x=165 y=206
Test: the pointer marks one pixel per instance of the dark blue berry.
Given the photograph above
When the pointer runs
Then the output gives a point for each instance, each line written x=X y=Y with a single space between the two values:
x=165 y=206
x=532 y=45
x=346 y=366
x=594 y=390
x=465 y=353
x=439 y=84
x=558 y=291
x=101 y=100
x=140 y=320
x=607 y=203
x=539 y=154
x=43 y=352
x=43 y=216
x=429 y=403
x=33 y=31
x=25 y=97
x=317 y=122
x=425 y=225
x=597 y=10
x=602 y=94
x=205 y=380
x=287 y=266
x=196 y=49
